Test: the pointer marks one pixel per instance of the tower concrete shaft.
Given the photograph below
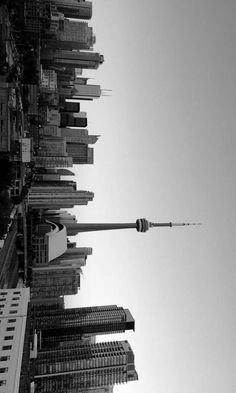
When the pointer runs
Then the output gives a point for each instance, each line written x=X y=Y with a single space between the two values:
x=141 y=225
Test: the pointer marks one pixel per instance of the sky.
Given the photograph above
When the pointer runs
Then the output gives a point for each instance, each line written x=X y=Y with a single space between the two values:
x=166 y=153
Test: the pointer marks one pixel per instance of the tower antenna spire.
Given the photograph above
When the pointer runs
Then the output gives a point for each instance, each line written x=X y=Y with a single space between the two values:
x=172 y=224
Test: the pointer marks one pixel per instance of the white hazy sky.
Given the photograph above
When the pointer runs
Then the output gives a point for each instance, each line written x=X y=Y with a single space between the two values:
x=167 y=153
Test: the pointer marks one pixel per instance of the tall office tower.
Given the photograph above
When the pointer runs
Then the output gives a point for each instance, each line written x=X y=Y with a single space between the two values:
x=73 y=120
x=74 y=135
x=53 y=162
x=81 y=153
x=80 y=92
x=57 y=200
x=72 y=35
x=71 y=59
x=75 y=9
x=84 y=366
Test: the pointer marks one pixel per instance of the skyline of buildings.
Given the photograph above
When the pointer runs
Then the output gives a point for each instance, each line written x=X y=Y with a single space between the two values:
x=58 y=349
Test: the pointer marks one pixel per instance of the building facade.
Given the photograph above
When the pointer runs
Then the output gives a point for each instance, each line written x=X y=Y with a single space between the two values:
x=13 y=319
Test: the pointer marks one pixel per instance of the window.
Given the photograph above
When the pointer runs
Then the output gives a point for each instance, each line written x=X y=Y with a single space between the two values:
x=10 y=328
x=8 y=338
x=3 y=382
x=14 y=304
x=16 y=293
x=3 y=299
x=6 y=347
x=11 y=320
x=13 y=312
x=2 y=305
x=15 y=298
x=4 y=358
x=3 y=293
x=3 y=370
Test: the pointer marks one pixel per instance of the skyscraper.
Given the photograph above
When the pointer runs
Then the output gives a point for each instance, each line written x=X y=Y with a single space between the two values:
x=84 y=366
x=54 y=200
x=72 y=35
x=71 y=59
x=72 y=324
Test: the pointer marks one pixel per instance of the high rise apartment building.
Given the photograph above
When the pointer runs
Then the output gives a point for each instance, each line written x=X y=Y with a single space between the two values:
x=83 y=366
x=65 y=324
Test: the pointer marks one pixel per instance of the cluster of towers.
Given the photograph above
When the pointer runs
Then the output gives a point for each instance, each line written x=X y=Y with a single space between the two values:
x=68 y=355
x=68 y=359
